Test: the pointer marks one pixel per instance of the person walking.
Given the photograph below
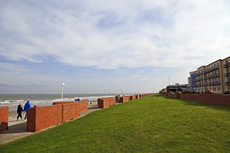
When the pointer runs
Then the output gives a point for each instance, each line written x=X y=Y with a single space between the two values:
x=26 y=107
x=19 y=111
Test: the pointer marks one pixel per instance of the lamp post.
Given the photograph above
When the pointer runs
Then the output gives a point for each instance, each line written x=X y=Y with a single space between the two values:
x=122 y=91
x=62 y=90
x=105 y=90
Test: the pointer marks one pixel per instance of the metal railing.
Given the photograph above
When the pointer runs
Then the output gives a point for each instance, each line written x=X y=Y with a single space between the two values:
x=211 y=69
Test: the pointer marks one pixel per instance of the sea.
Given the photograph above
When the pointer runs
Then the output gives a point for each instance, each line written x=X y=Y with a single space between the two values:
x=13 y=100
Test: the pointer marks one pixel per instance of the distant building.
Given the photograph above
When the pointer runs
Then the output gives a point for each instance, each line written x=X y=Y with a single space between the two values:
x=178 y=87
x=214 y=76
x=192 y=81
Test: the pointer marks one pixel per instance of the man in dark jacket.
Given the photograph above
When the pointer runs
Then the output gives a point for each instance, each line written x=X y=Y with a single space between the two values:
x=26 y=107
x=19 y=111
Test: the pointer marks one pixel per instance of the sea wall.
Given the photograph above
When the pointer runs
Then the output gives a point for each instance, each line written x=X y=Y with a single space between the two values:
x=4 y=112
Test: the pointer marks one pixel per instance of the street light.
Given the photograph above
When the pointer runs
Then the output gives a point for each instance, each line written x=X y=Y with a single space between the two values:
x=122 y=91
x=62 y=90
x=105 y=90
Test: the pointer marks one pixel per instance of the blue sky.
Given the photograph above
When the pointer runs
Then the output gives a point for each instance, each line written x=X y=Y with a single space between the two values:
x=122 y=44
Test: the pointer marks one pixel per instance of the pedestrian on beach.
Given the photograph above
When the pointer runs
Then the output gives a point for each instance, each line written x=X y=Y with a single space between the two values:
x=26 y=107
x=19 y=111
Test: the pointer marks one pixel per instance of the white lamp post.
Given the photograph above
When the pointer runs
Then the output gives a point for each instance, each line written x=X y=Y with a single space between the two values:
x=122 y=91
x=62 y=90
x=105 y=90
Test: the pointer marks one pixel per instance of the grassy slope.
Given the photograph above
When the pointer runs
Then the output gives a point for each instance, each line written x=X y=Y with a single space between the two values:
x=151 y=124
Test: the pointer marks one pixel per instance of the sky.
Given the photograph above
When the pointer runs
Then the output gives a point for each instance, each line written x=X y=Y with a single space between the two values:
x=139 y=46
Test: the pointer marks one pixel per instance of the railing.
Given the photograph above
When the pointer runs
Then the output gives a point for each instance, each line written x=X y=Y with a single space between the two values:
x=215 y=83
x=199 y=79
x=226 y=65
x=211 y=76
x=198 y=73
x=211 y=69
x=199 y=85
x=227 y=74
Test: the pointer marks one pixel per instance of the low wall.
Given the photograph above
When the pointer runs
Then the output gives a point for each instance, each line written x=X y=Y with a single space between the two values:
x=172 y=95
x=124 y=99
x=42 y=117
x=4 y=113
x=39 y=118
x=132 y=97
x=83 y=104
x=105 y=102
x=212 y=99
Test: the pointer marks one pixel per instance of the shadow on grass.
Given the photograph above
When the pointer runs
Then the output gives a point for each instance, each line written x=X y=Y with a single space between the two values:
x=196 y=103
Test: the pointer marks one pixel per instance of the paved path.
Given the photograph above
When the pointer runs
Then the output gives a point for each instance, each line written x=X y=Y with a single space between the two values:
x=17 y=129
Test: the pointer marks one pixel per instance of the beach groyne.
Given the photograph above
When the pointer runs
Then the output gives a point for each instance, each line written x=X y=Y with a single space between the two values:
x=207 y=98
x=4 y=111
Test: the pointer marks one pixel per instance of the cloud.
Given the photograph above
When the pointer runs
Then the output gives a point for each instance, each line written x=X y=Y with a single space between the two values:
x=113 y=34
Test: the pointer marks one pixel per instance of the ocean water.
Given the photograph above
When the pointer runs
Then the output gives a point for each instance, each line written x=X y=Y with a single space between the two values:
x=13 y=100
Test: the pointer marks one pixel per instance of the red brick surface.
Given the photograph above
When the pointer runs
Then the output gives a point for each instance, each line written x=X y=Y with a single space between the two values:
x=42 y=117
x=124 y=99
x=213 y=99
x=83 y=104
x=4 y=111
x=70 y=111
x=105 y=102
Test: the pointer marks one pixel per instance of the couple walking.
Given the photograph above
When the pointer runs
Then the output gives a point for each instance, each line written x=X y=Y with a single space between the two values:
x=19 y=110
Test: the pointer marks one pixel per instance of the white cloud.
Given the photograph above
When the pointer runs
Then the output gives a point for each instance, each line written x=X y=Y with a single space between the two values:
x=116 y=33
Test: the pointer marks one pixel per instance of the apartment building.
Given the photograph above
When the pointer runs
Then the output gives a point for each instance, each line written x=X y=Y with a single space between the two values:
x=214 y=76
x=226 y=70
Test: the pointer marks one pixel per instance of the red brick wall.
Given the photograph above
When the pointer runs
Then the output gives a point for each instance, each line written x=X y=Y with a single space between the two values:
x=132 y=97
x=70 y=111
x=4 y=113
x=83 y=104
x=105 y=102
x=217 y=99
x=172 y=95
x=137 y=97
x=42 y=117
x=196 y=97
x=124 y=99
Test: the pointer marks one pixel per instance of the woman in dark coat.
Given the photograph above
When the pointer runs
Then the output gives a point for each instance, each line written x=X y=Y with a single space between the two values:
x=19 y=111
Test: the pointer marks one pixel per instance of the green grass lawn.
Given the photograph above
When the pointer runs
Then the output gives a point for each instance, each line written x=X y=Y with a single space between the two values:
x=150 y=124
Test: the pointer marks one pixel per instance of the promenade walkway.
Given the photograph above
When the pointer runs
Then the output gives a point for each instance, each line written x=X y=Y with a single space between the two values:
x=17 y=129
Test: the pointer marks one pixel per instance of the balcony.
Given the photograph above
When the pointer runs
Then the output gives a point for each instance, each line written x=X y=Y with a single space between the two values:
x=212 y=76
x=226 y=65
x=227 y=74
x=212 y=69
x=198 y=73
x=207 y=84
x=215 y=83
x=227 y=83
x=199 y=85
x=199 y=79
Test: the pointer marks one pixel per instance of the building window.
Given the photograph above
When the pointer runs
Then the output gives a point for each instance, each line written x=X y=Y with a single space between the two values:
x=214 y=88
x=218 y=88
